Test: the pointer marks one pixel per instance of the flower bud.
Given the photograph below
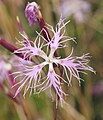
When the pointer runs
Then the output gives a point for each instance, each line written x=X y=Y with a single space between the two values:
x=32 y=13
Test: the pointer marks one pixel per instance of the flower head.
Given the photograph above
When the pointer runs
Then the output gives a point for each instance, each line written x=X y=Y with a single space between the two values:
x=32 y=12
x=32 y=76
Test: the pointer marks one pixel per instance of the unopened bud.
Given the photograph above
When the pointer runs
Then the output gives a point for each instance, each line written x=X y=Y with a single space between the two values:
x=32 y=13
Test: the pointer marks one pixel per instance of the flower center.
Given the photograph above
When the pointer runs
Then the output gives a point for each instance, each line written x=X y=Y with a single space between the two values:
x=50 y=60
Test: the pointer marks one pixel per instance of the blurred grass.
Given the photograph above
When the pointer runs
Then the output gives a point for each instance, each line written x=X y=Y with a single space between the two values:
x=83 y=105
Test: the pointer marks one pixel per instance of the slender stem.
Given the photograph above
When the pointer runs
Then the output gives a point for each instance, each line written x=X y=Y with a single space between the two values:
x=10 y=47
x=1 y=86
x=43 y=26
x=58 y=99
x=55 y=115
x=12 y=80
x=56 y=108
x=11 y=96
x=20 y=26
x=22 y=106
x=8 y=93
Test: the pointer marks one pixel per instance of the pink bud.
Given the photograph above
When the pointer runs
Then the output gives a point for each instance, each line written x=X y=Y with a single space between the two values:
x=32 y=13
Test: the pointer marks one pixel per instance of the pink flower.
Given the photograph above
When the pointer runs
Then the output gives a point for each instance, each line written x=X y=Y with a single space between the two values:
x=33 y=77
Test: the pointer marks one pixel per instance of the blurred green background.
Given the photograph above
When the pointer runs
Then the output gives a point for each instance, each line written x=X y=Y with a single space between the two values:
x=85 y=102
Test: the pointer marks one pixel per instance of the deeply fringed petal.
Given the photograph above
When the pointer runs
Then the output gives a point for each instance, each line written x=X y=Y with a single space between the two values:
x=75 y=66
